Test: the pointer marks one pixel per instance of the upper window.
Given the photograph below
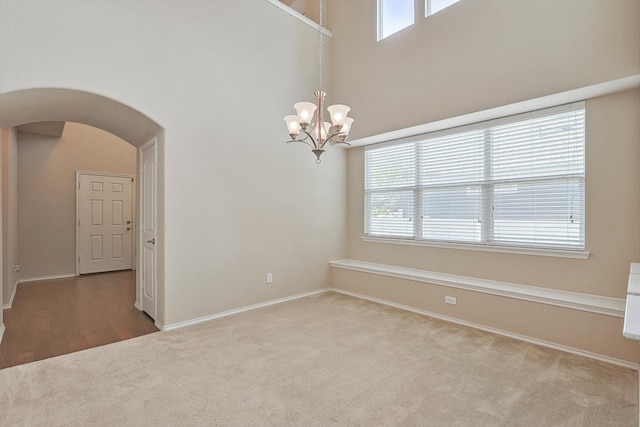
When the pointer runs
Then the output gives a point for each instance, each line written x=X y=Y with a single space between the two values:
x=393 y=16
x=435 y=6
x=517 y=181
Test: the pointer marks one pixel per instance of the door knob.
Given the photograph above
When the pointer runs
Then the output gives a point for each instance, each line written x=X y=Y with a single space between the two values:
x=128 y=222
x=128 y=228
x=152 y=241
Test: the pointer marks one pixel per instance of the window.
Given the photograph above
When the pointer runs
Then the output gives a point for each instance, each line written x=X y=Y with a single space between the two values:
x=434 y=6
x=516 y=181
x=393 y=16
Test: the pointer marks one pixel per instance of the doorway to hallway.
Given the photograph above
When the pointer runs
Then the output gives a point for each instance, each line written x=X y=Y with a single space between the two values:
x=53 y=317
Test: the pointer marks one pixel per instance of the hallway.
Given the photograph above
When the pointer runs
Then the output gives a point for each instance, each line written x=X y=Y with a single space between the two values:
x=54 y=317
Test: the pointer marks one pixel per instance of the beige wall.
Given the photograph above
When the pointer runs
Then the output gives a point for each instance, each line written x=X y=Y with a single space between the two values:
x=217 y=77
x=47 y=196
x=478 y=55
x=9 y=212
x=613 y=240
x=612 y=216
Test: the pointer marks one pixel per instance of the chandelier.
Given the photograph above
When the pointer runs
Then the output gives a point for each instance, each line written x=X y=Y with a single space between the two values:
x=318 y=133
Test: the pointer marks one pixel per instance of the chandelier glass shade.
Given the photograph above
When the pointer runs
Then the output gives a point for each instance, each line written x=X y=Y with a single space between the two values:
x=308 y=125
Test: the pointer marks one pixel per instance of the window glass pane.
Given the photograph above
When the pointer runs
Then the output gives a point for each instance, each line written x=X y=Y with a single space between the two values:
x=544 y=214
x=435 y=6
x=452 y=214
x=453 y=159
x=390 y=214
x=540 y=147
x=391 y=167
x=395 y=16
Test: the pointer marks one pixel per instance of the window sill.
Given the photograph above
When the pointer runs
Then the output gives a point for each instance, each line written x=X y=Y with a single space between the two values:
x=483 y=248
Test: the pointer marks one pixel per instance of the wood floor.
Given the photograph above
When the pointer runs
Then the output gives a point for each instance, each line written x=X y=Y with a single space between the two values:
x=54 y=317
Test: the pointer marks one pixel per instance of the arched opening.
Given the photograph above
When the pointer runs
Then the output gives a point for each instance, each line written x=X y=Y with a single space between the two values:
x=46 y=110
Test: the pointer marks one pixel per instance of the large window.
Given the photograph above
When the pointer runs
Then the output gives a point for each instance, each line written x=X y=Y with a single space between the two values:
x=517 y=181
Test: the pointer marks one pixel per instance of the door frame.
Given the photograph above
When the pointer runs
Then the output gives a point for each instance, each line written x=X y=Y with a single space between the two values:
x=134 y=207
x=140 y=241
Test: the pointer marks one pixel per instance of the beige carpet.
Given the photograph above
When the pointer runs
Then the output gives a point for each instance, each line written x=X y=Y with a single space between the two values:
x=320 y=361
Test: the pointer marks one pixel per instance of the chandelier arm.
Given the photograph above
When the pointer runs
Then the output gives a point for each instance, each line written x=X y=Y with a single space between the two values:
x=309 y=136
x=304 y=142
x=337 y=134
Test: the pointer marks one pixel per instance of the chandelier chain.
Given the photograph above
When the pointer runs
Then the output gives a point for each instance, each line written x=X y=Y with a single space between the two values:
x=321 y=49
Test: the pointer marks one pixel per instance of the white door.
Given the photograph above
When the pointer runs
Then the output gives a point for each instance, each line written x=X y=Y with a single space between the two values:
x=104 y=223
x=147 y=271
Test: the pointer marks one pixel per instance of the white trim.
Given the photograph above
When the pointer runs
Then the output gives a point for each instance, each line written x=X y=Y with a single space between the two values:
x=631 y=326
x=117 y=175
x=137 y=306
x=579 y=94
x=1 y=332
x=37 y=279
x=139 y=239
x=12 y=297
x=301 y=17
x=573 y=300
x=614 y=361
x=238 y=310
x=484 y=248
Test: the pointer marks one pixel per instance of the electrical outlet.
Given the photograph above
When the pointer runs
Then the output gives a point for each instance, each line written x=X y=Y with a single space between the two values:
x=269 y=278
x=451 y=300
x=16 y=268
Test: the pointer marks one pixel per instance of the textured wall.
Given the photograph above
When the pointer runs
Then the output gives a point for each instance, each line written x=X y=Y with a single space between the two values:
x=9 y=212
x=218 y=76
x=477 y=55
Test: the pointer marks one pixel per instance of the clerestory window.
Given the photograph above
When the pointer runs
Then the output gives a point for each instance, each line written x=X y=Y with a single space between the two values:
x=434 y=6
x=393 y=16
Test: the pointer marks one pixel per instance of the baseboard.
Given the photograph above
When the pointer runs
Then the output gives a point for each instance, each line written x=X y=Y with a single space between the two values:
x=1 y=332
x=574 y=300
x=137 y=305
x=12 y=297
x=566 y=349
x=37 y=279
x=238 y=310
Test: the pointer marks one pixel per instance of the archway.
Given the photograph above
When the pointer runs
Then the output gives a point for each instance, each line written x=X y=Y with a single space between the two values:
x=39 y=105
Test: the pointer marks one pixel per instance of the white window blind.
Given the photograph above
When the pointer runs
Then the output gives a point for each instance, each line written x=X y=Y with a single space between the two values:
x=516 y=181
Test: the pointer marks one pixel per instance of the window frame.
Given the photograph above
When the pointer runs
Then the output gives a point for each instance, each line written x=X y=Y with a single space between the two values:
x=487 y=242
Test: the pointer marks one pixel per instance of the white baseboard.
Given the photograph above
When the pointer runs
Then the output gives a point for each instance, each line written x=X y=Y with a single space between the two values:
x=137 y=305
x=237 y=310
x=577 y=301
x=12 y=297
x=1 y=332
x=614 y=361
x=37 y=279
